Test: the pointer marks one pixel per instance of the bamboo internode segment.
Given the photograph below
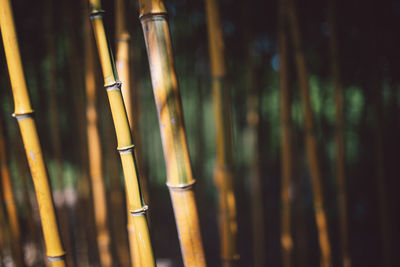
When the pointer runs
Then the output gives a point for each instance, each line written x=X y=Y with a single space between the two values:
x=223 y=174
x=23 y=110
x=136 y=205
x=168 y=103
x=311 y=143
x=9 y=200
x=286 y=155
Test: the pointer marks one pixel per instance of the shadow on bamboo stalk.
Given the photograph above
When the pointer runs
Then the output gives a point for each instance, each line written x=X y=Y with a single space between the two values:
x=143 y=249
x=180 y=181
x=23 y=114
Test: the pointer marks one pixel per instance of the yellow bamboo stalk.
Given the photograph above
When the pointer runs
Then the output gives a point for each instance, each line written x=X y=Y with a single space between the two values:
x=180 y=181
x=23 y=114
x=286 y=153
x=136 y=205
x=223 y=172
x=340 y=156
x=311 y=143
x=95 y=154
x=9 y=200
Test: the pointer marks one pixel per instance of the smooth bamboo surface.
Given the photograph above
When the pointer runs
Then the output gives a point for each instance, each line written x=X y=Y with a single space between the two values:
x=223 y=173
x=95 y=154
x=340 y=156
x=9 y=200
x=168 y=103
x=286 y=141
x=311 y=142
x=136 y=205
x=23 y=113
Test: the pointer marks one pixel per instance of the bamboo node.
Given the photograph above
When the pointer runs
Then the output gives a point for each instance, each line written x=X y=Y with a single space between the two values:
x=23 y=116
x=96 y=13
x=56 y=258
x=181 y=187
x=126 y=149
x=114 y=86
x=139 y=212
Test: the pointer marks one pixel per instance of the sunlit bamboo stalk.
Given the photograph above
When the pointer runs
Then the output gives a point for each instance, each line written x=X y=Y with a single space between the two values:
x=136 y=205
x=340 y=156
x=311 y=142
x=23 y=114
x=95 y=154
x=223 y=173
x=9 y=200
x=180 y=181
x=286 y=142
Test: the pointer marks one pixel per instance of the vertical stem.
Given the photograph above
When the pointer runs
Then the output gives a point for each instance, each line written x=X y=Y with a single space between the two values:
x=286 y=149
x=9 y=199
x=95 y=154
x=223 y=174
x=311 y=142
x=23 y=114
x=168 y=103
x=136 y=205
x=340 y=157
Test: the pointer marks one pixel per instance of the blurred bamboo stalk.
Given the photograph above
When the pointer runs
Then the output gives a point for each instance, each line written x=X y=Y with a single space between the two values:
x=9 y=199
x=23 y=114
x=136 y=205
x=95 y=154
x=340 y=156
x=180 y=181
x=123 y=65
x=286 y=141
x=311 y=142
x=223 y=173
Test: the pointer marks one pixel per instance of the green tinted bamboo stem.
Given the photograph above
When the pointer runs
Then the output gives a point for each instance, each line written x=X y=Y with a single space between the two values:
x=311 y=142
x=223 y=174
x=9 y=200
x=286 y=153
x=23 y=113
x=136 y=205
x=340 y=156
x=180 y=181
x=95 y=154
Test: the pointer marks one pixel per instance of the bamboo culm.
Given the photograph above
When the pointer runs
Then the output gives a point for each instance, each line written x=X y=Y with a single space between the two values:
x=286 y=154
x=95 y=154
x=136 y=205
x=223 y=173
x=311 y=142
x=23 y=114
x=340 y=156
x=180 y=181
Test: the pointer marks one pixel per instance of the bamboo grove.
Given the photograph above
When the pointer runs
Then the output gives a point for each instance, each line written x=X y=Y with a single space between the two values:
x=199 y=133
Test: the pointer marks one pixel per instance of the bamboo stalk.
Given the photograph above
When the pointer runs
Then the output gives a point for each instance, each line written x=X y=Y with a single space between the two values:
x=311 y=142
x=136 y=205
x=340 y=156
x=223 y=172
x=23 y=114
x=286 y=149
x=9 y=200
x=167 y=97
x=95 y=155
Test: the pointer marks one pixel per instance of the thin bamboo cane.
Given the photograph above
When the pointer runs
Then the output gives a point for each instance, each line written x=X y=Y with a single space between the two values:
x=167 y=97
x=286 y=153
x=311 y=143
x=123 y=69
x=340 y=156
x=23 y=114
x=223 y=173
x=136 y=205
x=9 y=200
x=95 y=154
